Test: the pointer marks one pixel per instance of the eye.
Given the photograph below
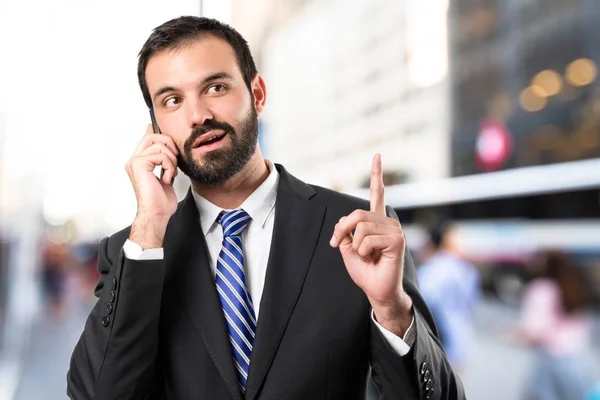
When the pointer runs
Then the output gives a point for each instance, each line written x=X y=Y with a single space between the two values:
x=172 y=101
x=218 y=88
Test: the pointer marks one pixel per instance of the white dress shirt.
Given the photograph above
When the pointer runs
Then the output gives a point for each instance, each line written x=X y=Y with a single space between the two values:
x=256 y=240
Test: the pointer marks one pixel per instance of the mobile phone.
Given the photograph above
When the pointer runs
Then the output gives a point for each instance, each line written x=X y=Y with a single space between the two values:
x=159 y=173
x=154 y=123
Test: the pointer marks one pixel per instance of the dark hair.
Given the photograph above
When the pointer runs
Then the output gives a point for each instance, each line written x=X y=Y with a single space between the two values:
x=438 y=233
x=180 y=31
x=558 y=267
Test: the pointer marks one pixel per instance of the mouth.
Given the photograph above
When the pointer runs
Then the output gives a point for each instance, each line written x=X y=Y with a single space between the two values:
x=209 y=138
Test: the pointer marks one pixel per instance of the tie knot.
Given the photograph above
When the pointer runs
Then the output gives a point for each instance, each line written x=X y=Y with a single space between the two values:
x=233 y=222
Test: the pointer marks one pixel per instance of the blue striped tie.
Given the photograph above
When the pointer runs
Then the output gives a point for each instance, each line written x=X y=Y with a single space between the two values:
x=233 y=291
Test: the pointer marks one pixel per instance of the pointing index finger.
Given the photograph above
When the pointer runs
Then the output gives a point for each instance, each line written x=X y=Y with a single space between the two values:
x=377 y=190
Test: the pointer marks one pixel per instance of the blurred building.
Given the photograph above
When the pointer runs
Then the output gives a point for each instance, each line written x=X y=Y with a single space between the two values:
x=524 y=89
x=348 y=79
x=525 y=102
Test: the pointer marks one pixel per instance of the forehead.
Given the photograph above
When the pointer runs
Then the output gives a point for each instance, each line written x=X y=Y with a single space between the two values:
x=194 y=59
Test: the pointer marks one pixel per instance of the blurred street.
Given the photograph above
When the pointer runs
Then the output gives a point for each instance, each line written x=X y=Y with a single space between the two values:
x=496 y=372
x=47 y=358
x=499 y=369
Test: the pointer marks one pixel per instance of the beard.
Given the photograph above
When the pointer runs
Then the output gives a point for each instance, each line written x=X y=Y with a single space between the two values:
x=220 y=165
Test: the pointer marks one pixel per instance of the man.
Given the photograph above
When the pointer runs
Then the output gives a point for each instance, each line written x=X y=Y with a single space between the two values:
x=451 y=288
x=257 y=285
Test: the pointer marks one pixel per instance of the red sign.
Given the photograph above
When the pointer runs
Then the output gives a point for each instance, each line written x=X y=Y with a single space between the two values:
x=493 y=146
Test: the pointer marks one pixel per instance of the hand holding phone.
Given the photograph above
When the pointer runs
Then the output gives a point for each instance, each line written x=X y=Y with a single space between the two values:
x=156 y=199
x=159 y=174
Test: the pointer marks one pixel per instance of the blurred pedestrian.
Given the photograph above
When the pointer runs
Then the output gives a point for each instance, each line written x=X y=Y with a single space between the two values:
x=556 y=322
x=451 y=288
x=54 y=258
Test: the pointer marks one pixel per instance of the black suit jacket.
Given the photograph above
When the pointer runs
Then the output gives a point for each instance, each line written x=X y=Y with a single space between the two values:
x=158 y=332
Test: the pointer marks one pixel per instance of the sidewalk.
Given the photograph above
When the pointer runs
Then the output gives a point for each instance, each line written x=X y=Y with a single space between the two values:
x=47 y=358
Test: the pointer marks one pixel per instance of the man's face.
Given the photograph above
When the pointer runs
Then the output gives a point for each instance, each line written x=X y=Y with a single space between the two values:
x=201 y=101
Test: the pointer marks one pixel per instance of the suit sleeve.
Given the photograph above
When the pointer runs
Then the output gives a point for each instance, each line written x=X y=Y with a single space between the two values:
x=116 y=353
x=424 y=373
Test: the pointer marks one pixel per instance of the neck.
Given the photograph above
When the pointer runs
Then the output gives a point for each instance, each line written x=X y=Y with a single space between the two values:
x=238 y=188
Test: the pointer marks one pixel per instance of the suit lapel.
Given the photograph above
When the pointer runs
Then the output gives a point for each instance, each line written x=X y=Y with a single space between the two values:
x=186 y=257
x=296 y=229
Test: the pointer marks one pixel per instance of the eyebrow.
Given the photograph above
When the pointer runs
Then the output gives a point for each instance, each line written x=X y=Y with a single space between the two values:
x=208 y=79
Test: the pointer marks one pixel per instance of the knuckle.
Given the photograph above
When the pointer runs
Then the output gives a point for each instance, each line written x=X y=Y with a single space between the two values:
x=399 y=239
x=364 y=226
x=360 y=214
x=342 y=224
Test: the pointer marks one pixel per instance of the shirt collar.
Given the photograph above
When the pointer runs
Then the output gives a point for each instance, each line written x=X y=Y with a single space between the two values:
x=258 y=205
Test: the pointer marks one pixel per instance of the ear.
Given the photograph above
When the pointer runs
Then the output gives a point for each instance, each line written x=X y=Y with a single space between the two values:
x=259 y=93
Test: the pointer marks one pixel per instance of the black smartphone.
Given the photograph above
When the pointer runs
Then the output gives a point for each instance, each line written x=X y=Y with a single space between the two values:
x=156 y=130
x=154 y=123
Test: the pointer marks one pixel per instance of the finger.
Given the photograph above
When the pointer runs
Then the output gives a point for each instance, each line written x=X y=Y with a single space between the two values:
x=377 y=191
x=150 y=129
x=159 y=147
x=147 y=141
x=374 y=243
x=150 y=139
x=365 y=229
x=158 y=138
x=357 y=216
x=346 y=242
x=340 y=234
x=168 y=176
x=343 y=228
x=347 y=225
x=167 y=141
x=149 y=161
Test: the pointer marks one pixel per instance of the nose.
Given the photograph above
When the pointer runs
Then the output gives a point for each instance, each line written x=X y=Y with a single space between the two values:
x=198 y=113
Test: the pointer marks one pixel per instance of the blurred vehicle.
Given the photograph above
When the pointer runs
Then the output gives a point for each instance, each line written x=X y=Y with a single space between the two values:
x=502 y=250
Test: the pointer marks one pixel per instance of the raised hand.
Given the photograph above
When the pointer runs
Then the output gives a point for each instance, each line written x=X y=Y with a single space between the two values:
x=156 y=199
x=372 y=246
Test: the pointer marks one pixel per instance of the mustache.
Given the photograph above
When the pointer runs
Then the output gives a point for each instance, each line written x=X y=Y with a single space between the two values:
x=208 y=126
